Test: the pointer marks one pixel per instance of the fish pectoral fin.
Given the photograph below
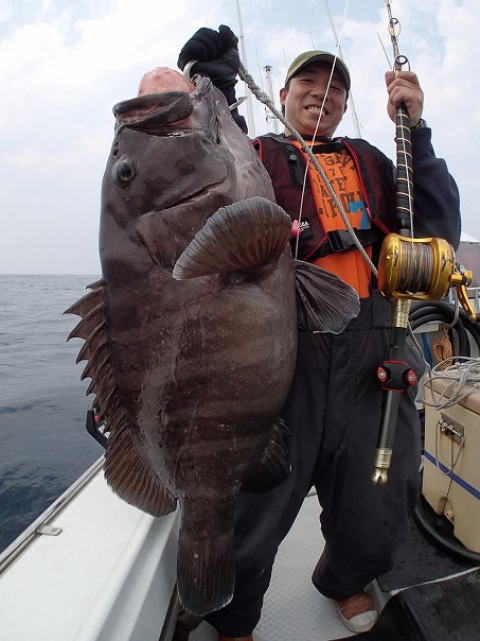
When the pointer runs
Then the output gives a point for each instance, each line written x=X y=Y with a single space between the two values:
x=205 y=561
x=274 y=466
x=243 y=237
x=325 y=303
x=129 y=475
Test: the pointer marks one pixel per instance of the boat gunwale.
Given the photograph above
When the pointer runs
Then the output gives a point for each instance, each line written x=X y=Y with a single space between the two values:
x=31 y=534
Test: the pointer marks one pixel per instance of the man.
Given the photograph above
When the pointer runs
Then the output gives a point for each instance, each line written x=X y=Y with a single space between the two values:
x=334 y=405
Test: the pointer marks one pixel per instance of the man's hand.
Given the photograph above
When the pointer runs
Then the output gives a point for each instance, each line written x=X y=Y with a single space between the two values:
x=216 y=53
x=207 y=45
x=404 y=88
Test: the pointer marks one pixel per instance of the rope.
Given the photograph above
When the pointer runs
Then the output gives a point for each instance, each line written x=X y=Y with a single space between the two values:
x=465 y=373
x=442 y=350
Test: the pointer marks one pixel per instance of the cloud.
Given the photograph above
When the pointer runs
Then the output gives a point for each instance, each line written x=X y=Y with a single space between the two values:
x=440 y=39
x=63 y=65
x=61 y=74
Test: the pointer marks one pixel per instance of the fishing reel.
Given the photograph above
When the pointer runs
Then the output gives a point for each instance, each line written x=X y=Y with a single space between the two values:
x=422 y=269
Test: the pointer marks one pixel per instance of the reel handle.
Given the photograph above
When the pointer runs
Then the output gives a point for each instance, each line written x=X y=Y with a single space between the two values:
x=461 y=280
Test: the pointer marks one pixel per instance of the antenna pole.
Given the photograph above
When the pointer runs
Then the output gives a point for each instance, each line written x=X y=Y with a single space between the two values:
x=268 y=77
x=250 y=117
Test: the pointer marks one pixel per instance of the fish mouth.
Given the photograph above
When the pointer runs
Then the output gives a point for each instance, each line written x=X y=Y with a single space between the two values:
x=161 y=113
x=192 y=198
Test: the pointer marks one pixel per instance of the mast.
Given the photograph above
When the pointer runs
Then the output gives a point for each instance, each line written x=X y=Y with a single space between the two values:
x=268 y=77
x=250 y=118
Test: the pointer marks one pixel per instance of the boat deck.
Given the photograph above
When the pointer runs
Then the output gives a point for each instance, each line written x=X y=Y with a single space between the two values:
x=293 y=608
x=110 y=576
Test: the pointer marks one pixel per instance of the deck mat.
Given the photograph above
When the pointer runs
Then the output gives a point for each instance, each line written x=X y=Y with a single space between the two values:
x=443 y=611
x=293 y=608
x=420 y=560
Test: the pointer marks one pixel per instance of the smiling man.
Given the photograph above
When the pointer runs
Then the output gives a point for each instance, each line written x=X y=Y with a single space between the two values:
x=305 y=97
x=334 y=405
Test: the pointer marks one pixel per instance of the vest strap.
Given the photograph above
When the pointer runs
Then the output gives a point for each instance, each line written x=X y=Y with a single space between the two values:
x=340 y=240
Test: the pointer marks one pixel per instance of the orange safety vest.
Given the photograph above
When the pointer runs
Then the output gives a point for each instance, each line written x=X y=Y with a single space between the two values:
x=339 y=168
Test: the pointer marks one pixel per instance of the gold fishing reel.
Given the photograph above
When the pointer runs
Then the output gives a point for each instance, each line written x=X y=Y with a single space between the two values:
x=422 y=269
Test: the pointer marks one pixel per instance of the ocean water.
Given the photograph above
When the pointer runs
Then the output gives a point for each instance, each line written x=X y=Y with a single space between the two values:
x=44 y=446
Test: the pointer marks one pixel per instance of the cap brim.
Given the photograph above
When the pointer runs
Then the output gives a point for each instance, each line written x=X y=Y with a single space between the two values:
x=326 y=58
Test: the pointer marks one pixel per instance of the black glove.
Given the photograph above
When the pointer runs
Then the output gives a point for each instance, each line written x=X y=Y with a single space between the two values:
x=217 y=56
x=207 y=45
x=204 y=45
x=227 y=36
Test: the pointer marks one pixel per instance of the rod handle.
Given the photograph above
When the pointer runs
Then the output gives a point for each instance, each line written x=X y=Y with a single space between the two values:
x=383 y=458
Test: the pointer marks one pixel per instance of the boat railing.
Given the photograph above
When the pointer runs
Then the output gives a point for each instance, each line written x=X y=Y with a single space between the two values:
x=34 y=530
x=473 y=295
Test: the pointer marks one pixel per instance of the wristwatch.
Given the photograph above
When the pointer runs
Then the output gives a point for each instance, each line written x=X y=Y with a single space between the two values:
x=421 y=124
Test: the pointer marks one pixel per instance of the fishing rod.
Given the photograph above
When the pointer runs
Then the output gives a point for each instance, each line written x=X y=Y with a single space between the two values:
x=408 y=269
x=394 y=374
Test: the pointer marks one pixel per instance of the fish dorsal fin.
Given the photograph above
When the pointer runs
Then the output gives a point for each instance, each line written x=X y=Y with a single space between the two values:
x=93 y=329
x=325 y=303
x=92 y=299
x=244 y=236
x=125 y=468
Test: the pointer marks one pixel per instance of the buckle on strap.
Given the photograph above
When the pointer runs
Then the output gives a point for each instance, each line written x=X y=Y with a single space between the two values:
x=339 y=240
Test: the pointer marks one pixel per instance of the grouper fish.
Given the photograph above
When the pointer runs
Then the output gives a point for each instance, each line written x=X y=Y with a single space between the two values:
x=190 y=335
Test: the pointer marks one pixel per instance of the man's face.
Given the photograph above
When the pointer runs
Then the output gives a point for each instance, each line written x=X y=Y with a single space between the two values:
x=304 y=96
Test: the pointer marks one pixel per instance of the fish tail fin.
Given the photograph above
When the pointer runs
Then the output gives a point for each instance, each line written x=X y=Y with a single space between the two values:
x=325 y=303
x=205 y=561
x=241 y=237
x=274 y=465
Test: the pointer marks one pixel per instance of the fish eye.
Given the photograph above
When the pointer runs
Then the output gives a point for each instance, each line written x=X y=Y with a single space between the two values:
x=124 y=171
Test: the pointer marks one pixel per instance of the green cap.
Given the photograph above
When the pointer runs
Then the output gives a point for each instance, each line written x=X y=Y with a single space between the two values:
x=308 y=57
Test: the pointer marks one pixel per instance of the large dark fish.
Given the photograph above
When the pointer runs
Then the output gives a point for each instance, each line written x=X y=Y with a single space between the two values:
x=190 y=375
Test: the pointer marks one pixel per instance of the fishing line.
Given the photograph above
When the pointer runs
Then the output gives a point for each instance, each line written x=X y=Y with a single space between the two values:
x=307 y=165
x=351 y=102
x=322 y=106
x=262 y=96
x=389 y=62
x=332 y=71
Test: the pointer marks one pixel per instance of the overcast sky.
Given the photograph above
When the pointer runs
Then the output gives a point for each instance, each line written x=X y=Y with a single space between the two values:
x=64 y=64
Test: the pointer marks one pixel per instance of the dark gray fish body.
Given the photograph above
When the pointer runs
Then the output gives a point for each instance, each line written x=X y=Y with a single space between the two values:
x=191 y=333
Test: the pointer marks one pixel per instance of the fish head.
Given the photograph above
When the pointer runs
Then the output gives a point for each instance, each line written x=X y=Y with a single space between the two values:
x=177 y=156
